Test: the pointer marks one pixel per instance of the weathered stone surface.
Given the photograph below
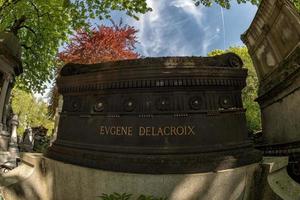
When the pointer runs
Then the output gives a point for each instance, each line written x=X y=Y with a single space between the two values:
x=273 y=41
x=273 y=35
x=155 y=115
x=10 y=53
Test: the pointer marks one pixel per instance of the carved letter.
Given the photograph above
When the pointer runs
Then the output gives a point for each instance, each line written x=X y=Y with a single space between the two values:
x=102 y=130
x=191 y=131
x=180 y=130
x=142 y=131
x=167 y=132
x=130 y=131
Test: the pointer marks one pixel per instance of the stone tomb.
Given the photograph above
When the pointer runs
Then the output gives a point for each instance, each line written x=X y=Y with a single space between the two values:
x=155 y=115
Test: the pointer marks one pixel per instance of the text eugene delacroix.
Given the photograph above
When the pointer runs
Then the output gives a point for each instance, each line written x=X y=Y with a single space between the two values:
x=147 y=131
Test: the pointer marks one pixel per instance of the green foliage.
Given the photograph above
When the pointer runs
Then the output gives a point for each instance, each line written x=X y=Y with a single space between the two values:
x=297 y=4
x=31 y=111
x=250 y=91
x=42 y=27
x=125 y=196
x=223 y=3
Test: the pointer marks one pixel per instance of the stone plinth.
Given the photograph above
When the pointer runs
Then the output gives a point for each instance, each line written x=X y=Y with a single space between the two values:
x=46 y=179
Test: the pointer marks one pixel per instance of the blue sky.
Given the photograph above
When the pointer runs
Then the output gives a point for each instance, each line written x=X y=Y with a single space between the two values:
x=178 y=28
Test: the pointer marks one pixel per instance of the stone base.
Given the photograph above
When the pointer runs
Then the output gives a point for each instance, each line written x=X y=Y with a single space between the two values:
x=278 y=184
x=42 y=178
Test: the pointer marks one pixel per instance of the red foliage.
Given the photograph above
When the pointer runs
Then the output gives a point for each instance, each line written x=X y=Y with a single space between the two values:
x=100 y=45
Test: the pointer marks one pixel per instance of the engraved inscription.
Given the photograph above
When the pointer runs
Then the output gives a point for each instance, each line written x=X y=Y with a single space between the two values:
x=147 y=131
x=116 y=130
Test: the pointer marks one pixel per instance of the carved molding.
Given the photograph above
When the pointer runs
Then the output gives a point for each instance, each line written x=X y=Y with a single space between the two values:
x=228 y=60
x=153 y=83
x=148 y=104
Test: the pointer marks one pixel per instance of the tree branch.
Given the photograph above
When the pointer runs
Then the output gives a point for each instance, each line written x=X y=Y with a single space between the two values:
x=18 y=24
x=35 y=8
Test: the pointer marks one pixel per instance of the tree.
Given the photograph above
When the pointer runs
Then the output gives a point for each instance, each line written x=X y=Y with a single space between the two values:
x=105 y=43
x=101 y=44
x=32 y=112
x=250 y=91
x=42 y=27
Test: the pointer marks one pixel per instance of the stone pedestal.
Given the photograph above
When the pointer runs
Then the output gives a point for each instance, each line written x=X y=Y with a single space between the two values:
x=42 y=178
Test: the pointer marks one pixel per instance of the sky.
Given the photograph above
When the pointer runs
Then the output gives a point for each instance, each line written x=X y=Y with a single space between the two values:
x=179 y=28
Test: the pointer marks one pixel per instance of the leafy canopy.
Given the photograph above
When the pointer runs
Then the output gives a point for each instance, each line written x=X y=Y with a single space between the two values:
x=250 y=91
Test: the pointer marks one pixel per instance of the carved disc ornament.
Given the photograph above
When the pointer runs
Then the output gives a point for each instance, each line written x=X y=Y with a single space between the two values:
x=195 y=103
x=154 y=115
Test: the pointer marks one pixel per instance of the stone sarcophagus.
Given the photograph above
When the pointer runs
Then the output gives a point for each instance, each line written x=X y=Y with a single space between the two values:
x=154 y=115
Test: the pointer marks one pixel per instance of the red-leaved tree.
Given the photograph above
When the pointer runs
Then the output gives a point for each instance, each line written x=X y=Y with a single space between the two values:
x=105 y=43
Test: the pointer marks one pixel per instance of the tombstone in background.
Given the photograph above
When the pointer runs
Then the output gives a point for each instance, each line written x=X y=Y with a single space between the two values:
x=26 y=142
x=10 y=67
x=273 y=41
x=40 y=139
x=34 y=139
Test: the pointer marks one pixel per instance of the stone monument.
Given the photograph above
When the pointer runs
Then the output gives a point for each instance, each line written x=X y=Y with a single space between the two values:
x=154 y=115
x=273 y=41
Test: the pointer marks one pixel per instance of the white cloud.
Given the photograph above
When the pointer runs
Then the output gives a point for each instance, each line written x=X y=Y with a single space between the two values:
x=175 y=28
